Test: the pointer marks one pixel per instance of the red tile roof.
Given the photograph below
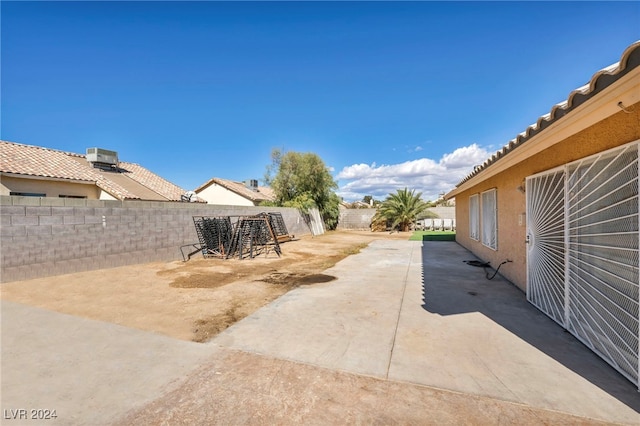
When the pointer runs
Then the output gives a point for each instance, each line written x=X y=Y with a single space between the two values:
x=133 y=181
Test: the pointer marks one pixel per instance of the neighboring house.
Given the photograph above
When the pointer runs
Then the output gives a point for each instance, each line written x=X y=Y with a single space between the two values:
x=231 y=193
x=28 y=170
x=561 y=202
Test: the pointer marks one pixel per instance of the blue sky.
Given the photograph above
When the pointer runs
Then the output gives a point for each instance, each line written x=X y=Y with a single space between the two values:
x=388 y=94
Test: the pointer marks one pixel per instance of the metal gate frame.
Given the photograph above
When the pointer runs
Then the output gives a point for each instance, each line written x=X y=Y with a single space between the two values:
x=547 y=271
x=583 y=255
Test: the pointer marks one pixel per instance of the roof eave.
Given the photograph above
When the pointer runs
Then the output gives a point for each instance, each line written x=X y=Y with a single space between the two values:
x=204 y=185
x=50 y=178
x=600 y=106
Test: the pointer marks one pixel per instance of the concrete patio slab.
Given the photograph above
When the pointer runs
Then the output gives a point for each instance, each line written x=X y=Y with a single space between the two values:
x=414 y=312
x=461 y=331
x=348 y=324
x=406 y=334
x=89 y=372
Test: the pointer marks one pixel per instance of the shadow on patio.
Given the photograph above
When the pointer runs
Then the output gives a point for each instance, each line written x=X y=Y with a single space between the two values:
x=451 y=287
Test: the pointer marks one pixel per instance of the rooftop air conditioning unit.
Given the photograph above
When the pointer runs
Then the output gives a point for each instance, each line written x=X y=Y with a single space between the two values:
x=251 y=184
x=103 y=156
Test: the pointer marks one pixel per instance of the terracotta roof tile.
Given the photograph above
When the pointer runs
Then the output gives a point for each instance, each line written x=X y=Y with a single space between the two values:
x=599 y=81
x=135 y=182
x=152 y=180
x=36 y=161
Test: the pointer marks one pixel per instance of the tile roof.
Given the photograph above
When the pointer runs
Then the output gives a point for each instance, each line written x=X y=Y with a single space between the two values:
x=133 y=182
x=36 y=161
x=602 y=79
x=264 y=193
x=154 y=182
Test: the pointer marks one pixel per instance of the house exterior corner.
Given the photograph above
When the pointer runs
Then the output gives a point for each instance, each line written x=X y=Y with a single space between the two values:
x=561 y=202
x=617 y=130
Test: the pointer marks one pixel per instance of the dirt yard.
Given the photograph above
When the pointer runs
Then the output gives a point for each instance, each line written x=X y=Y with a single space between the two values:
x=192 y=300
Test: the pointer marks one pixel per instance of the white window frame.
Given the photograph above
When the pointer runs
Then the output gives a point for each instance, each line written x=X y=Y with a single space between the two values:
x=489 y=218
x=474 y=217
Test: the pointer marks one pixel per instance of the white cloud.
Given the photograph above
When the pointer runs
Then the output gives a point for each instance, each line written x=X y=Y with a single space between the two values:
x=464 y=157
x=415 y=149
x=424 y=175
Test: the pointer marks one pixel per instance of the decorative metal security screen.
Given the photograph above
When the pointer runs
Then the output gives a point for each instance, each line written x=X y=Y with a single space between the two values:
x=602 y=221
x=546 y=244
x=592 y=288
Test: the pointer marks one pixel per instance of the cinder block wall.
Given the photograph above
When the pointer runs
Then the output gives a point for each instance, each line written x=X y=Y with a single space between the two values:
x=51 y=236
x=361 y=218
x=443 y=212
x=355 y=218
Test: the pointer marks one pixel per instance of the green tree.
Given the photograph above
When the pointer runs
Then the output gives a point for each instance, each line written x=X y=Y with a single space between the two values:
x=401 y=208
x=331 y=212
x=372 y=202
x=302 y=180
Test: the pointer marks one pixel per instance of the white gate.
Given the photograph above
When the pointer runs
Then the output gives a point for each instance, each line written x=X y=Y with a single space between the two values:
x=582 y=257
x=546 y=250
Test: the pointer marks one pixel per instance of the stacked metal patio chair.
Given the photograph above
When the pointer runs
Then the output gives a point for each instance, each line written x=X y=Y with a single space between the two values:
x=253 y=236
x=214 y=235
x=279 y=227
x=249 y=236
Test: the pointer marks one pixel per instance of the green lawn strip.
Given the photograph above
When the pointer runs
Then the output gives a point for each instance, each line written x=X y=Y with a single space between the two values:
x=433 y=236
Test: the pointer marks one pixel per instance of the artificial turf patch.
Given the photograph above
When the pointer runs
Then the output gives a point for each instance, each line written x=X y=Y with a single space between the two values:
x=433 y=236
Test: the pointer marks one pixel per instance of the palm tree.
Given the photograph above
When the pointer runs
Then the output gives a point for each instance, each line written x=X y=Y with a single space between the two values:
x=402 y=208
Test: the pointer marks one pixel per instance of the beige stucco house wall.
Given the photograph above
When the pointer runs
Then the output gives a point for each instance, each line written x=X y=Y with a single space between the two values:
x=218 y=194
x=561 y=203
x=616 y=130
x=231 y=193
x=50 y=187
x=608 y=118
